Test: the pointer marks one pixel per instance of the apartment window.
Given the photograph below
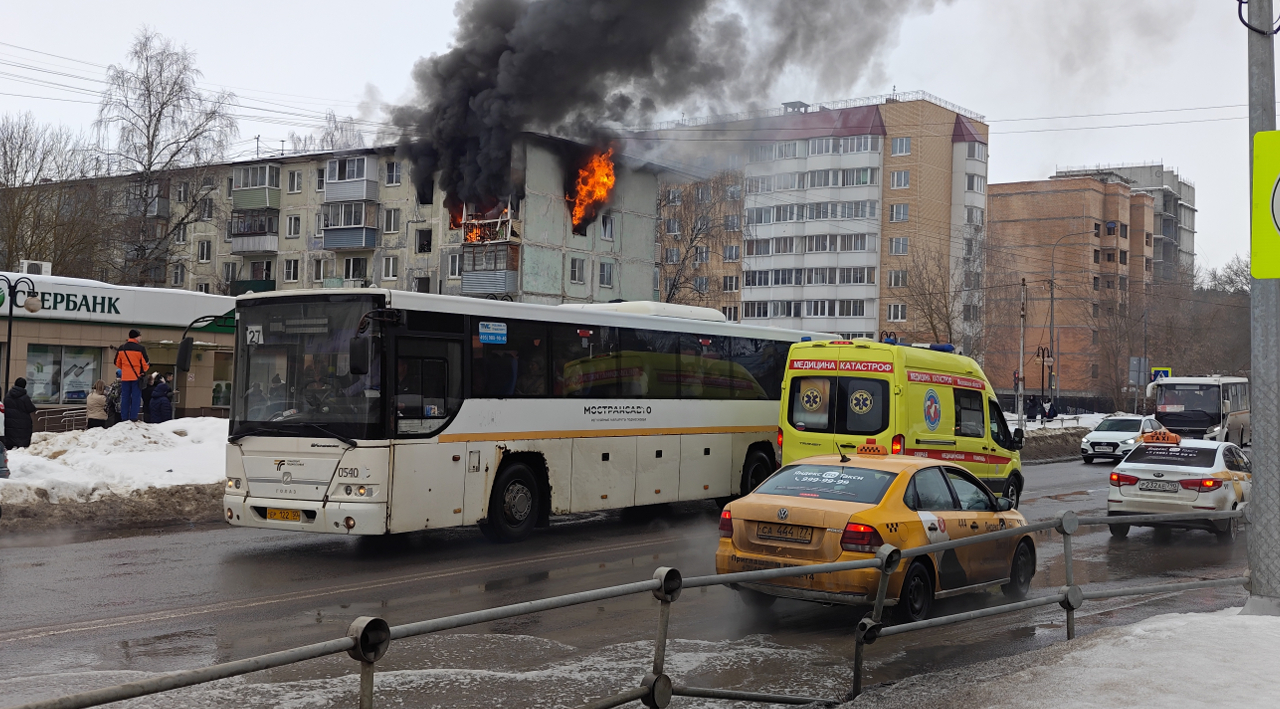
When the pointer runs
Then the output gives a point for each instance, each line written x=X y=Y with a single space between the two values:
x=293 y=226
x=669 y=285
x=342 y=214
x=732 y=252
x=823 y=178
x=675 y=195
x=863 y=209
x=455 y=265
x=182 y=192
x=673 y=255
x=317 y=270
x=319 y=221
x=205 y=209
x=1147 y=259
x=1094 y=337
x=759 y=185
x=968 y=248
x=823 y=146
x=255 y=176
x=606 y=276
x=853 y=242
x=755 y=309
x=858 y=176
x=1095 y=305
x=577 y=270
x=972 y=280
x=393 y=173
x=782 y=151
x=900 y=146
x=1097 y=230
x=390 y=268
x=787 y=213
x=204 y=251
x=391 y=220
x=345 y=169
x=899 y=179
x=786 y=308
x=701 y=224
x=231 y=181
x=424 y=241
x=820 y=276
x=788 y=276
x=179 y=274
x=977 y=151
x=1111 y=256
x=291 y=270
x=730 y=312
x=752 y=279
x=202 y=287
x=1097 y=256
x=760 y=153
x=295 y=181
x=975 y=183
x=701 y=284
x=319 y=179
x=702 y=193
x=759 y=215
x=784 y=245
x=673 y=225
x=1093 y=371
x=229 y=269
x=606 y=227
x=857 y=275
x=180 y=234
x=898 y=246
x=1124 y=283
x=425 y=192
x=899 y=212
x=261 y=270
x=970 y=313
x=422 y=284
x=897 y=312
x=355 y=268
x=976 y=216
x=851 y=308
x=819 y=242
x=701 y=254
x=897 y=279
x=733 y=192
x=1111 y=228
x=819 y=308
x=758 y=247
x=1148 y=238
x=1111 y=283
x=861 y=144
x=1124 y=231
x=1124 y=257
x=1095 y=287
x=729 y=284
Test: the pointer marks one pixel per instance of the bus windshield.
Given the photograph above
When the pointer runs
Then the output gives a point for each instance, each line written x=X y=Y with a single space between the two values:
x=1181 y=398
x=293 y=370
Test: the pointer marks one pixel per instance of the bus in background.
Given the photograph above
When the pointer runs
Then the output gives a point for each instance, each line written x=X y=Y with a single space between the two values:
x=1215 y=408
x=373 y=411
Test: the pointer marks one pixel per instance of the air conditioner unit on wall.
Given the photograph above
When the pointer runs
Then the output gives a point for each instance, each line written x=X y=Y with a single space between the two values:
x=36 y=268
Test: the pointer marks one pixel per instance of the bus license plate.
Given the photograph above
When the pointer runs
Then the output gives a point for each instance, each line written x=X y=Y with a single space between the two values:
x=785 y=532
x=284 y=515
x=1158 y=486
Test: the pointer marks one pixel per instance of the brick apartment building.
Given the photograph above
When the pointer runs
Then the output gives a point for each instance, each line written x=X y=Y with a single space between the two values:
x=1093 y=238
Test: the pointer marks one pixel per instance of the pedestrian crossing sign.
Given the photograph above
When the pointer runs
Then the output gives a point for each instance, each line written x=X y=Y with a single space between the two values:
x=1161 y=373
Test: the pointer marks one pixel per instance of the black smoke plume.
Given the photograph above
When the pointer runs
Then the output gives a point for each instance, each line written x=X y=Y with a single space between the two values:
x=578 y=68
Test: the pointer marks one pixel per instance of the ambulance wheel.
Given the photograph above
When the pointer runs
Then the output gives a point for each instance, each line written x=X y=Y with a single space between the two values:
x=1013 y=491
x=513 y=505
x=1020 y=572
x=916 y=599
x=1119 y=531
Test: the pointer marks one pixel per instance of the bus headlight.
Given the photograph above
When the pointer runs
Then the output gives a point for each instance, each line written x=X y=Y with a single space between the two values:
x=233 y=483
x=1213 y=429
x=362 y=491
x=347 y=490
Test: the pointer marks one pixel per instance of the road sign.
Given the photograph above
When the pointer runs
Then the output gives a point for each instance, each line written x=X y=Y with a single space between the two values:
x=1265 y=232
x=1137 y=365
x=1161 y=373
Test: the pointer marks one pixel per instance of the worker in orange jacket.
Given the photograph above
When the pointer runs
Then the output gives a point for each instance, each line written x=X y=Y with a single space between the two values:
x=131 y=360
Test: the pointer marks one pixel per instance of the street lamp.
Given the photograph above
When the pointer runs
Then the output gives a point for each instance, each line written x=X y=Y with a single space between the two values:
x=1045 y=355
x=31 y=304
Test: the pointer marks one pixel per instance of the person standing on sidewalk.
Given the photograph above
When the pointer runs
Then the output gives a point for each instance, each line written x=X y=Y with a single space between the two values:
x=131 y=359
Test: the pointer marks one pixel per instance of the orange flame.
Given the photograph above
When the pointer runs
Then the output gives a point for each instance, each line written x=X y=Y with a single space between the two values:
x=595 y=181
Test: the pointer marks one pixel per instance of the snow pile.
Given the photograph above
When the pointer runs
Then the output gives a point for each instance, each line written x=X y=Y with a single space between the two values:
x=1089 y=421
x=87 y=465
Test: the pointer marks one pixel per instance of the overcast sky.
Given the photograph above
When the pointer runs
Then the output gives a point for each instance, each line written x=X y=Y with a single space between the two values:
x=1171 y=74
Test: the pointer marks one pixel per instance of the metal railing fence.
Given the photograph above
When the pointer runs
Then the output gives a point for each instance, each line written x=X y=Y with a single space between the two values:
x=368 y=638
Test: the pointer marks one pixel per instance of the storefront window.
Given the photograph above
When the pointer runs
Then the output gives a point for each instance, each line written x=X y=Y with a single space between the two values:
x=62 y=375
x=222 y=379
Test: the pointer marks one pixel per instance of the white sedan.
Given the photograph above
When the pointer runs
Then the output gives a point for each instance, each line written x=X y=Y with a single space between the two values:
x=1166 y=474
x=1115 y=436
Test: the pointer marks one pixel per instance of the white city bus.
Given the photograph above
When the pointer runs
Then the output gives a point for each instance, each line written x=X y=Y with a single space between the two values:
x=373 y=412
x=1215 y=407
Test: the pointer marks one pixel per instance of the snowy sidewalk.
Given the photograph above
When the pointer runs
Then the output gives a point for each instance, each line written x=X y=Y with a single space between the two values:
x=1219 y=659
x=82 y=466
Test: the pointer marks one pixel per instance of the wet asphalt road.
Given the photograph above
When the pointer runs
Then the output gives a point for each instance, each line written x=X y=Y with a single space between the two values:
x=83 y=613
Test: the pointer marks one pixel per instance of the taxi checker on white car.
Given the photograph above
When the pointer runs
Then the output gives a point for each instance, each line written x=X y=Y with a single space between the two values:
x=1115 y=436
x=1168 y=474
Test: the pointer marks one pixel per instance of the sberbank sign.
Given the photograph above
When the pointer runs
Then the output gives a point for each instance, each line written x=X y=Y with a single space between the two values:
x=75 y=303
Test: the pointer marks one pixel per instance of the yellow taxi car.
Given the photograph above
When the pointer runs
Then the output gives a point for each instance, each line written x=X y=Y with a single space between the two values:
x=831 y=508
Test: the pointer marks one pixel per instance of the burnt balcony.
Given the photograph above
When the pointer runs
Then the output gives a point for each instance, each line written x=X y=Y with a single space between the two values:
x=254 y=231
x=490 y=268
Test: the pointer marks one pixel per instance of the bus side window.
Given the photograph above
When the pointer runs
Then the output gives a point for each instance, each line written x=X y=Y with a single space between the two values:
x=584 y=360
x=509 y=359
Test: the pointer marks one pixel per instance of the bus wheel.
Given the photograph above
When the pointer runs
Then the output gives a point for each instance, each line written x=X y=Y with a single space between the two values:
x=757 y=469
x=513 y=505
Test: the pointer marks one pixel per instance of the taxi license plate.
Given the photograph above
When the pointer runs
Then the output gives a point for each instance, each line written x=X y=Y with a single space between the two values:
x=785 y=533
x=1158 y=486
x=284 y=515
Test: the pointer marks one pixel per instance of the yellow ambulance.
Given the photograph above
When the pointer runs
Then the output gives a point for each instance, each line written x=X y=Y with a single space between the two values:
x=916 y=400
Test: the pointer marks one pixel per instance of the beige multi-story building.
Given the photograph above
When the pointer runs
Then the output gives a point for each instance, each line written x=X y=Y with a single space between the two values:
x=851 y=211
x=700 y=242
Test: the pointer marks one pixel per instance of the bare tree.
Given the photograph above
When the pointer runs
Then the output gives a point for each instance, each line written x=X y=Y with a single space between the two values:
x=164 y=135
x=1233 y=277
x=697 y=221
x=335 y=134
x=934 y=295
x=50 y=210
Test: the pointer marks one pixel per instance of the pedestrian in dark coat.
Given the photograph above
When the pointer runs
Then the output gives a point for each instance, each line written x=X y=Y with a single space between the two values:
x=161 y=407
x=17 y=416
x=144 y=413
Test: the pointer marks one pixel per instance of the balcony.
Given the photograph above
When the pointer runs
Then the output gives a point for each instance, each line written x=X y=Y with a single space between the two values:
x=491 y=267
x=255 y=187
x=350 y=238
x=157 y=207
x=351 y=191
x=256 y=244
x=486 y=282
x=255 y=198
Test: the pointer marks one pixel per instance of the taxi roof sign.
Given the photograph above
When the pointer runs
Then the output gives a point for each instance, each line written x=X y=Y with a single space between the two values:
x=1162 y=437
x=1265 y=226
x=872 y=449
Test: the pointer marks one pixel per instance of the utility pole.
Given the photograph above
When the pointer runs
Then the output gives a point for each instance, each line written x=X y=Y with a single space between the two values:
x=1053 y=381
x=1263 y=511
x=1022 y=357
